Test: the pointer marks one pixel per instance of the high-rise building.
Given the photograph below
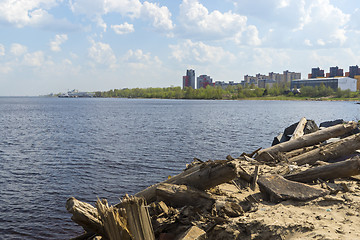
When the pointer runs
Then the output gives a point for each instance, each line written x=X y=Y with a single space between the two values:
x=189 y=79
x=336 y=72
x=203 y=81
x=353 y=71
x=317 y=72
x=289 y=76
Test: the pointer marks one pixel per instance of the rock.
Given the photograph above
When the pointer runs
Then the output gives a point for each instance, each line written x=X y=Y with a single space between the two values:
x=193 y=233
x=232 y=209
x=276 y=188
x=290 y=130
x=331 y=123
x=280 y=138
x=310 y=127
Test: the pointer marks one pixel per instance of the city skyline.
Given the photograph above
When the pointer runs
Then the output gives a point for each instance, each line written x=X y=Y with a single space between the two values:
x=55 y=45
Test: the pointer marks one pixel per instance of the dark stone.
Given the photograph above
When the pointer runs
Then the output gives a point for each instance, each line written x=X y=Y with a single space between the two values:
x=290 y=129
x=310 y=127
x=331 y=123
x=279 y=139
x=275 y=188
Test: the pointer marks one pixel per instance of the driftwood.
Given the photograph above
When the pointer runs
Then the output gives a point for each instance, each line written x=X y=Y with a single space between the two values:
x=275 y=188
x=138 y=218
x=305 y=141
x=202 y=176
x=115 y=225
x=297 y=152
x=341 y=169
x=332 y=151
x=181 y=195
x=299 y=131
x=130 y=222
x=85 y=215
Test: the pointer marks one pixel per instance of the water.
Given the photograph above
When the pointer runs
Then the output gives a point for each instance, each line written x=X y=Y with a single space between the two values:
x=51 y=149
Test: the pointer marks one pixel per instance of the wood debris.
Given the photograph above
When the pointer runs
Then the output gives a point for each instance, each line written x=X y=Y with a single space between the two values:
x=234 y=198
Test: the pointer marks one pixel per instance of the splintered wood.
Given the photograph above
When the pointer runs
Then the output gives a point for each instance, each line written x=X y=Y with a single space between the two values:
x=208 y=199
x=115 y=225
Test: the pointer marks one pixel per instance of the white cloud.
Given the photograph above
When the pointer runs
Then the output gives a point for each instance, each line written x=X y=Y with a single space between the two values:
x=129 y=8
x=26 y=12
x=199 y=52
x=307 y=42
x=35 y=59
x=197 y=22
x=160 y=16
x=5 y=68
x=102 y=53
x=137 y=56
x=2 y=50
x=18 y=49
x=59 y=39
x=295 y=23
x=321 y=19
x=124 y=28
x=137 y=59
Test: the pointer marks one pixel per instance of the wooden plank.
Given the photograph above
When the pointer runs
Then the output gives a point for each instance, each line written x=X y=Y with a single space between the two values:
x=332 y=151
x=202 y=176
x=299 y=130
x=341 y=169
x=115 y=225
x=138 y=218
x=85 y=215
x=275 y=188
x=306 y=140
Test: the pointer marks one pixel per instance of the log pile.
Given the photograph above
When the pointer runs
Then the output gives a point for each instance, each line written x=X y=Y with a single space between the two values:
x=214 y=199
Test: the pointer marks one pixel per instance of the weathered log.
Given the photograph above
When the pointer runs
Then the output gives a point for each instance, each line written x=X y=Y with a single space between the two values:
x=85 y=215
x=115 y=225
x=275 y=188
x=299 y=130
x=297 y=152
x=305 y=141
x=138 y=218
x=332 y=151
x=181 y=195
x=341 y=169
x=203 y=176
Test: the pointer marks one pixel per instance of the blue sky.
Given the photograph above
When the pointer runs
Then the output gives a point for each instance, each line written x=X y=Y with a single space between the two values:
x=58 y=45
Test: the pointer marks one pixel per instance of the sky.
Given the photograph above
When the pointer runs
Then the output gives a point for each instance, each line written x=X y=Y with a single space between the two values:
x=52 y=46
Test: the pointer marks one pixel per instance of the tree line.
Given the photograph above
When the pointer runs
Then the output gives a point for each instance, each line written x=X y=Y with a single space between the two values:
x=230 y=92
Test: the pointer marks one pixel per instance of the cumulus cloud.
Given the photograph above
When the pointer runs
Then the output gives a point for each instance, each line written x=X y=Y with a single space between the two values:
x=124 y=28
x=102 y=53
x=2 y=50
x=196 y=21
x=298 y=23
x=59 y=39
x=158 y=16
x=35 y=59
x=199 y=52
x=23 y=13
x=137 y=59
x=18 y=49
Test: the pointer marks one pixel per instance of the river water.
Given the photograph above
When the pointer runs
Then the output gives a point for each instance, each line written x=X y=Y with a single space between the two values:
x=51 y=149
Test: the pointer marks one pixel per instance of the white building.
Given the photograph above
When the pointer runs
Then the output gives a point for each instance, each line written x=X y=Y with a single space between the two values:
x=344 y=83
